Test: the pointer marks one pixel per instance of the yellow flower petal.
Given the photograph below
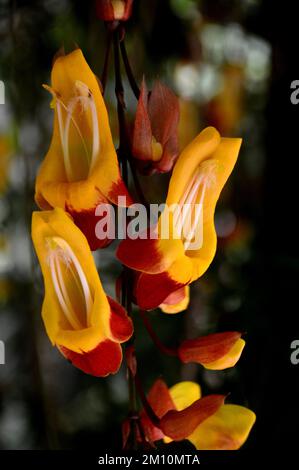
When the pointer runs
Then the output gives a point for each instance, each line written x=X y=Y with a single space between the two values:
x=227 y=429
x=213 y=158
x=81 y=165
x=184 y=394
x=172 y=305
x=196 y=152
x=76 y=331
x=195 y=186
x=230 y=359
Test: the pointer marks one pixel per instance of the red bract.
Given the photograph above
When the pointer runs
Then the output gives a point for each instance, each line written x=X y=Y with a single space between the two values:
x=114 y=10
x=155 y=135
x=181 y=413
x=179 y=425
x=176 y=423
x=161 y=402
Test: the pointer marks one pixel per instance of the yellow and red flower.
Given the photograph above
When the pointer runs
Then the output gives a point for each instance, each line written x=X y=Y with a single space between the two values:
x=217 y=351
x=155 y=134
x=85 y=325
x=80 y=170
x=170 y=259
x=177 y=301
x=206 y=422
x=114 y=10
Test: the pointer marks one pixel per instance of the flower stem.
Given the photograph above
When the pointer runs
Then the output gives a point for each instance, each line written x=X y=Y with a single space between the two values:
x=125 y=157
x=119 y=93
x=104 y=75
x=130 y=75
x=149 y=411
x=126 y=285
x=124 y=150
x=164 y=349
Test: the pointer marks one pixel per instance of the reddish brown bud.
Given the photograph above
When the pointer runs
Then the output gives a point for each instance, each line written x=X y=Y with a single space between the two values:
x=131 y=359
x=155 y=135
x=114 y=10
x=126 y=431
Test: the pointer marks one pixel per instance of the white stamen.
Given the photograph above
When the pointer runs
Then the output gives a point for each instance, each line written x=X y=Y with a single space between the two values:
x=59 y=102
x=95 y=134
x=65 y=138
x=203 y=177
x=189 y=198
x=60 y=123
x=178 y=209
x=59 y=292
x=84 y=97
x=195 y=225
x=62 y=252
x=67 y=302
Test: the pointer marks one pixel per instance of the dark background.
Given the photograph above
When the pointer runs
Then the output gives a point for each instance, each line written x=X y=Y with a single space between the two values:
x=232 y=64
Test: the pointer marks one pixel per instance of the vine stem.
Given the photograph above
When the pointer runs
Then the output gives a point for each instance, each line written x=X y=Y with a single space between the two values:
x=125 y=157
x=124 y=150
x=147 y=407
x=137 y=185
x=104 y=75
x=126 y=286
x=130 y=75
x=164 y=349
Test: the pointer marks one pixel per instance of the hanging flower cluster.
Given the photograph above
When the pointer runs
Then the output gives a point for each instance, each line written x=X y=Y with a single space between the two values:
x=206 y=422
x=80 y=175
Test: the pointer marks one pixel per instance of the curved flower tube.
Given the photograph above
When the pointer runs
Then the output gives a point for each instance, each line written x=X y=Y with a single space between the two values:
x=222 y=427
x=185 y=238
x=80 y=170
x=85 y=325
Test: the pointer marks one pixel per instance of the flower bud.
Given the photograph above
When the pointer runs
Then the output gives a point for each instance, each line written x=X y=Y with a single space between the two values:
x=216 y=352
x=155 y=134
x=114 y=10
